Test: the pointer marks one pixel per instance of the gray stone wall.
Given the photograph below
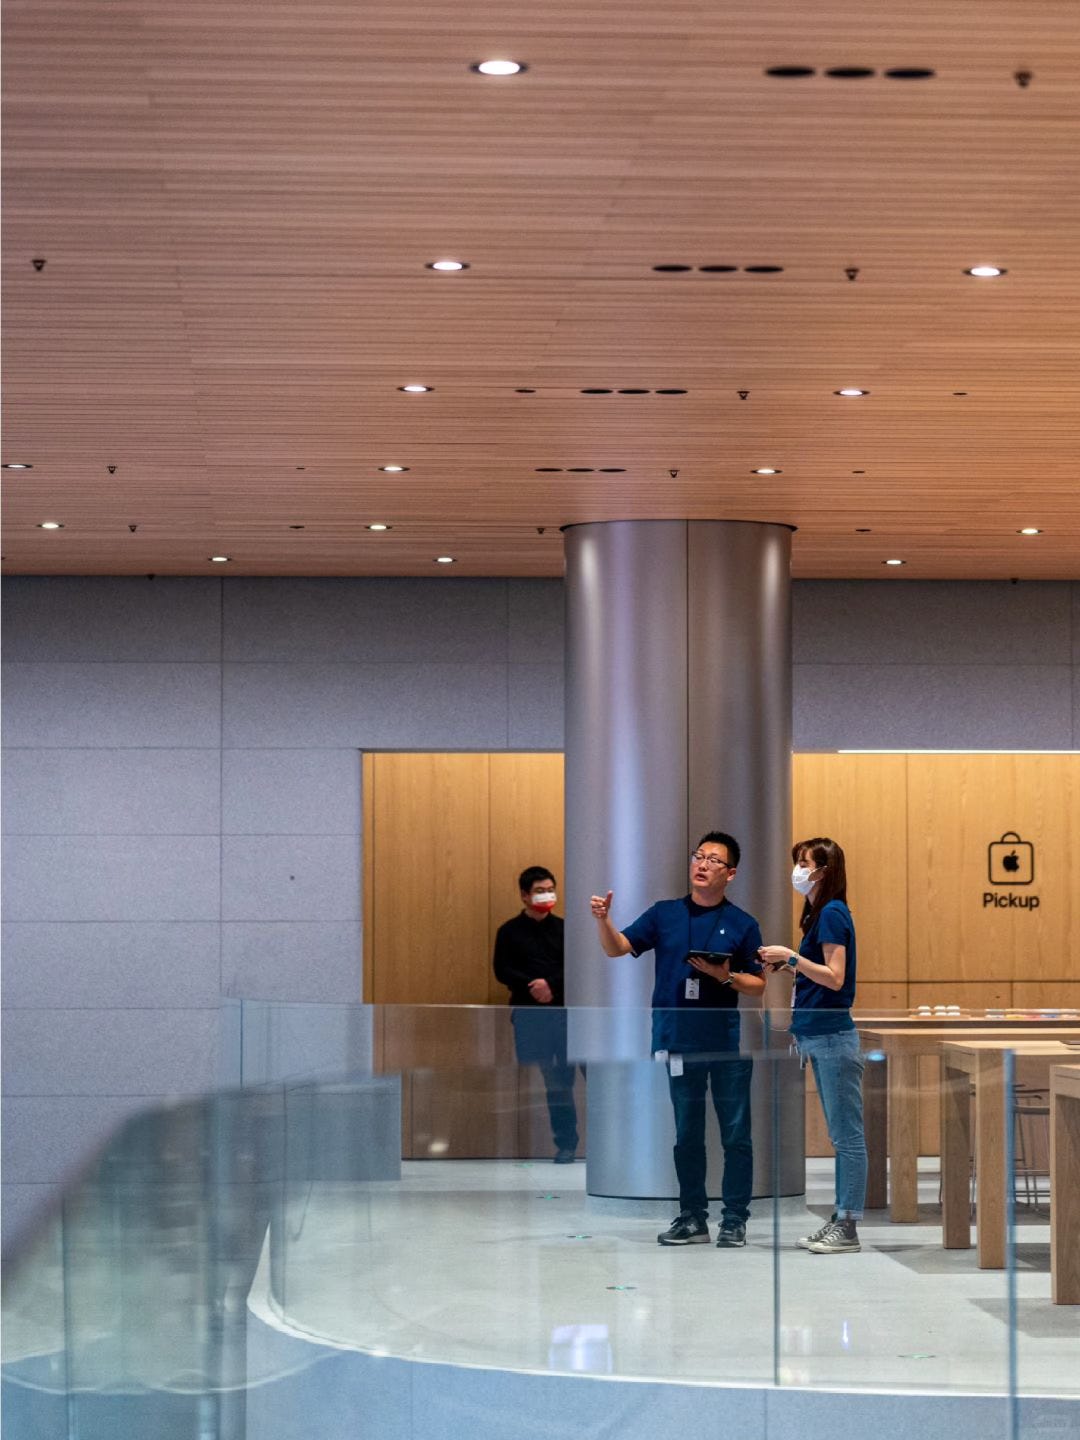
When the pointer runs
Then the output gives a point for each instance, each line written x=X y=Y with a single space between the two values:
x=182 y=784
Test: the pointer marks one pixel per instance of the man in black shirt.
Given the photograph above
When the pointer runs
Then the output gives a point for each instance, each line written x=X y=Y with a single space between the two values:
x=529 y=962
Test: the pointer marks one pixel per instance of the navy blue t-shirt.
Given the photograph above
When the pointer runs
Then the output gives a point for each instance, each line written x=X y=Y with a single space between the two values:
x=671 y=928
x=818 y=1010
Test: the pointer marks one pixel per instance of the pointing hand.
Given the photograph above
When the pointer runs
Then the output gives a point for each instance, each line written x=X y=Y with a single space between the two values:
x=600 y=905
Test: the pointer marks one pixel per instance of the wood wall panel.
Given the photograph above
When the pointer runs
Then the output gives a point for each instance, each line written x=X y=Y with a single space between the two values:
x=1046 y=995
x=430 y=883
x=860 y=801
x=367 y=876
x=880 y=997
x=958 y=805
x=469 y=1113
x=445 y=838
x=526 y=828
x=459 y=1079
x=968 y=994
x=915 y=829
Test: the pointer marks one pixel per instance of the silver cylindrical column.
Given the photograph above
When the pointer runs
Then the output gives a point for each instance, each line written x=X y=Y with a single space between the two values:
x=678 y=721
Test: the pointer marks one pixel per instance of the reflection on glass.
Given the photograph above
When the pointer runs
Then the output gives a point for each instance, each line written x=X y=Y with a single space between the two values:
x=369 y=1205
x=585 y=1348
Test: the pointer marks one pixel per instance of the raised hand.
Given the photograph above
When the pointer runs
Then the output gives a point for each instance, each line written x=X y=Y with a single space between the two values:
x=600 y=905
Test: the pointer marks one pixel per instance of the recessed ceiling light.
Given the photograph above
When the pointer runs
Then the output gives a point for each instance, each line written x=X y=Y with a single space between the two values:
x=380 y=527
x=850 y=392
x=416 y=389
x=986 y=272
x=894 y=562
x=17 y=465
x=766 y=470
x=444 y=559
x=1029 y=530
x=50 y=525
x=221 y=559
x=499 y=67
x=447 y=265
x=394 y=469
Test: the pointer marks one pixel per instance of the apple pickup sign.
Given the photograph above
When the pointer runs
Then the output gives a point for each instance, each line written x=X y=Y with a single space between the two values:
x=1011 y=862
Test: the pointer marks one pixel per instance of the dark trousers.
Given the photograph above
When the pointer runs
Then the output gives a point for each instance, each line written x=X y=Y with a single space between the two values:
x=729 y=1079
x=540 y=1039
x=559 y=1084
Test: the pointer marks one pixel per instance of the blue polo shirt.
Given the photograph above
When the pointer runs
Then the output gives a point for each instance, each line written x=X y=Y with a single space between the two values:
x=818 y=1010
x=671 y=928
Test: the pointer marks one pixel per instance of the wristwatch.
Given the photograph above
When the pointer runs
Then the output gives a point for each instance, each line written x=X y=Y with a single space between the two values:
x=793 y=962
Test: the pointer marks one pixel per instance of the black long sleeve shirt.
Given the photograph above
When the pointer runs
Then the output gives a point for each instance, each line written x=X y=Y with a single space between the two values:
x=527 y=949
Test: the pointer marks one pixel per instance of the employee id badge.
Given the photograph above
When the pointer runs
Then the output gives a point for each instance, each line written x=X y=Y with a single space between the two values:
x=675 y=1066
x=693 y=988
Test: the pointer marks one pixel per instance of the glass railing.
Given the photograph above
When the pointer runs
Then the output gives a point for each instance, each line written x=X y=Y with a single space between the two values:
x=482 y=1193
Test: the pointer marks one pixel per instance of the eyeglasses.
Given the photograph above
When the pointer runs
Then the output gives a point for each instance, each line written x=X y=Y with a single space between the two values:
x=712 y=861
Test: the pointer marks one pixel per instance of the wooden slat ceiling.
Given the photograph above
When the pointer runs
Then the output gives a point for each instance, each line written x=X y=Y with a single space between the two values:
x=236 y=202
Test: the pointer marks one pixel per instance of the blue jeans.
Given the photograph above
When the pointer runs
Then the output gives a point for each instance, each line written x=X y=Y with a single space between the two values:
x=838 y=1068
x=729 y=1078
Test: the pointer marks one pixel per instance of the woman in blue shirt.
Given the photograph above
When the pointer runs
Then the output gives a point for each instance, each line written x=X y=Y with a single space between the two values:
x=824 y=968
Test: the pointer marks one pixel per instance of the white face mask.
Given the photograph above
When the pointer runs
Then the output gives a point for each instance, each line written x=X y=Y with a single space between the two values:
x=800 y=879
x=543 y=900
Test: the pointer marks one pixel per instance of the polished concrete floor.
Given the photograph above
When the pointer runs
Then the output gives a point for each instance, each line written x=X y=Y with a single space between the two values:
x=512 y=1265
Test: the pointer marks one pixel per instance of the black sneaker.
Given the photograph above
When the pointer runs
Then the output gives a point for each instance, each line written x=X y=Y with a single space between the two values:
x=685 y=1230
x=732 y=1235
x=564 y=1157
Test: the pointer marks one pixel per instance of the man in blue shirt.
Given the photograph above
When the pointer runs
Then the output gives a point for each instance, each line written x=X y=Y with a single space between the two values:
x=696 y=1025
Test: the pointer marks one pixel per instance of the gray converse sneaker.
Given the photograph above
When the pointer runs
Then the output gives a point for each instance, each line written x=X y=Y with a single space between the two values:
x=804 y=1242
x=840 y=1238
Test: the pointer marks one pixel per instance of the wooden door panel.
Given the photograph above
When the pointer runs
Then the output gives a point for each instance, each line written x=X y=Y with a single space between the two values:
x=860 y=801
x=430 y=881
x=958 y=805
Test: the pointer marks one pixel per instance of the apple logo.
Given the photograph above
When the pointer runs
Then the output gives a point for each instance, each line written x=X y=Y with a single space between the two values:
x=1010 y=863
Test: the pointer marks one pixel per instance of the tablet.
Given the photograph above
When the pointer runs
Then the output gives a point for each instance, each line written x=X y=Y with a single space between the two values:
x=714 y=957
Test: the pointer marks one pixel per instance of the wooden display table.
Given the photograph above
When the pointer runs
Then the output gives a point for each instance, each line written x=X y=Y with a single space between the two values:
x=1065 y=1184
x=981 y=1063
x=891 y=1094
